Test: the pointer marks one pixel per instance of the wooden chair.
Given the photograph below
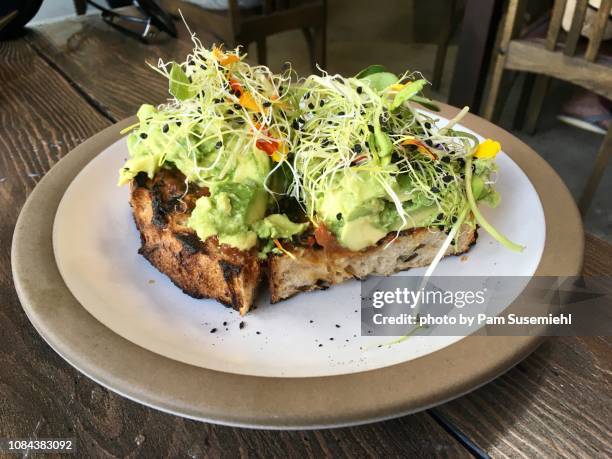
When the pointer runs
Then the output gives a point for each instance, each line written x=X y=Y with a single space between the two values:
x=237 y=26
x=556 y=56
x=450 y=20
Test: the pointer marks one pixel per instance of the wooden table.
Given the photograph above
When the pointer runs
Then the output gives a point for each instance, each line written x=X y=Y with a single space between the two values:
x=64 y=82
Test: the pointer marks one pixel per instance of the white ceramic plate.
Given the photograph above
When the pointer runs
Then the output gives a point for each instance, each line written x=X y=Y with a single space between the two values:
x=314 y=334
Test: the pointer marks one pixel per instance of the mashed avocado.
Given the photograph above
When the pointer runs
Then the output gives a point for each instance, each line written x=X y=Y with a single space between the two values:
x=278 y=226
x=358 y=210
x=231 y=168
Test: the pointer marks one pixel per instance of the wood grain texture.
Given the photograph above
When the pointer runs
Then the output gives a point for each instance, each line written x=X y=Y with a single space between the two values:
x=43 y=117
x=531 y=56
x=556 y=403
x=110 y=67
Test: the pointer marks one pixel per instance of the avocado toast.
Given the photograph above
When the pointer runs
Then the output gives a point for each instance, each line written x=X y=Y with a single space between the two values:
x=246 y=174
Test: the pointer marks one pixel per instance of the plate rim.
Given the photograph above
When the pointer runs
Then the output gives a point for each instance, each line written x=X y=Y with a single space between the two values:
x=272 y=402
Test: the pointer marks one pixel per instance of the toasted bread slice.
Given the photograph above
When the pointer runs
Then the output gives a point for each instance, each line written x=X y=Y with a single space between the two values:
x=313 y=268
x=201 y=269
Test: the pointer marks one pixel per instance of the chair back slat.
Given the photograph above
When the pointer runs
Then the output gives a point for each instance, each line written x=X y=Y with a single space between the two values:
x=577 y=23
x=598 y=30
x=554 y=28
x=234 y=13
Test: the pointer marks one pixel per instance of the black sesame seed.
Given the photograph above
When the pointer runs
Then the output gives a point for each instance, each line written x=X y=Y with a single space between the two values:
x=429 y=143
x=267 y=104
x=331 y=339
x=320 y=345
x=445 y=159
x=337 y=326
x=295 y=124
x=218 y=145
x=341 y=113
x=454 y=219
x=461 y=162
x=258 y=332
x=447 y=178
x=452 y=242
x=143 y=135
x=237 y=93
x=435 y=189
x=321 y=103
x=440 y=217
x=311 y=321
x=241 y=325
x=428 y=125
x=213 y=330
x=357 y=148
x=311 y=106
x=371 y=128
x=224 y=324
x=237 y=106
x=165 y=128
x=447 y=231
x=178 y=123
x=359 y=89
x=203 y=66
x=230 y=111
x=339 y=216
x=441 y=227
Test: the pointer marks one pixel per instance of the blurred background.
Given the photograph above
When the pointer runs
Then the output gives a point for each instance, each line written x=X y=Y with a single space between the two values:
x=415 y=34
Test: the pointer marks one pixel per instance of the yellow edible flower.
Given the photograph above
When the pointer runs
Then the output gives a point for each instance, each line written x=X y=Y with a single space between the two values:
x=224 y=58
x=247 y=101
x=397 y=87
x=280 y=154
x=487 y=149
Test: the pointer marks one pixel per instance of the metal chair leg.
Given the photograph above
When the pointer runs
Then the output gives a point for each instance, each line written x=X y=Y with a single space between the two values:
x=598 y=170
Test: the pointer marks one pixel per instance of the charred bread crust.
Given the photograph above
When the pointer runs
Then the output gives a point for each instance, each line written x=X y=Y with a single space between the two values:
x=314 y=268
x=201 y=269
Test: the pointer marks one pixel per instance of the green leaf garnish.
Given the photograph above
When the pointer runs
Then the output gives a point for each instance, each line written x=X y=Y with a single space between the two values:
x=370 y=70
x=179 y=84
x=381 y=80
x=503 y=240
x=410 y=90
x=427 y=103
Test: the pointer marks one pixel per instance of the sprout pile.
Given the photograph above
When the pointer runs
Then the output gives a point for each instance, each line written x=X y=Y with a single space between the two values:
x=348 y=152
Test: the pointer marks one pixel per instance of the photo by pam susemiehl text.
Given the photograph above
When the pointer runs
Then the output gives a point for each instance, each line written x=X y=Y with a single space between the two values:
x=460 y=306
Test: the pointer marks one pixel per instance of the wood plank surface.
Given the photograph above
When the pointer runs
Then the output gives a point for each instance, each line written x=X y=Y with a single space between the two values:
x=42 y=117
x=556 y=403
x=110 y=67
